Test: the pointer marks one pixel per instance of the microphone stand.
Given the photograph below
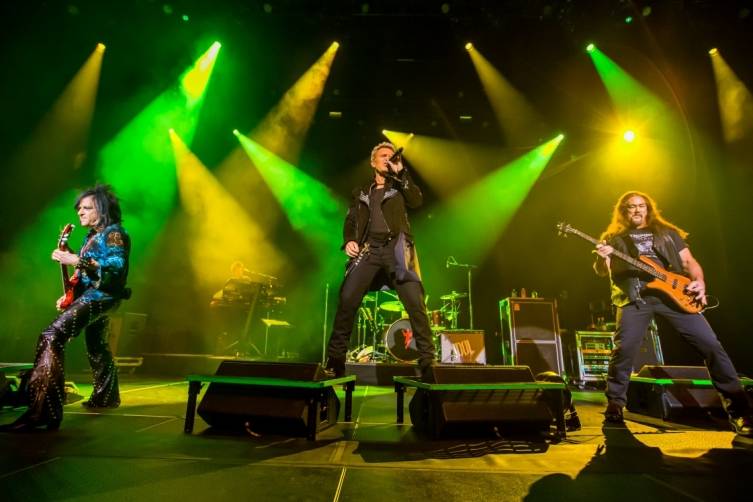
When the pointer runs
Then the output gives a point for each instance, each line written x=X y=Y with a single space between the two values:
x=324 y=324
x=469 y=268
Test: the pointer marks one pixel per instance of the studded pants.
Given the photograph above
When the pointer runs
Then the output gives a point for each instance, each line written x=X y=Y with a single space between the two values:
x=47 y=381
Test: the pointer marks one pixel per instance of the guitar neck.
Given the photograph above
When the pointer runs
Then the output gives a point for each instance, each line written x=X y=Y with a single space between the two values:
x=66 y=277
x=622 y=256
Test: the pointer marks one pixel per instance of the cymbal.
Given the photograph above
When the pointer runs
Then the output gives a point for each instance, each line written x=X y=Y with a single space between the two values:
x=369 y=297
x=392 y=306
x=453 y=296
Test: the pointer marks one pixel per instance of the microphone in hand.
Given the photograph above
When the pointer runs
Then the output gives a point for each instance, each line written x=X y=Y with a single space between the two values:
x=394 y=158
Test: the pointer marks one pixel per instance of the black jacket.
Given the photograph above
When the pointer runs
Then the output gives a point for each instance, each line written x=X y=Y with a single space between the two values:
x=398 y=196
x=625 y=278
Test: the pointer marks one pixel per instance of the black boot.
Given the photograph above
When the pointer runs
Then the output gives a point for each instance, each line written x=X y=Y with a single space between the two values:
x=426 y=369
x=740 y=414
x=335 y=368
x=613 y=413
x=743 y=425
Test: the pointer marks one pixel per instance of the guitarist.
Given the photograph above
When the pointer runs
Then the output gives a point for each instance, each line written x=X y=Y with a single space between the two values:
x=638 y=229
x=101 y=272
x=378 y=242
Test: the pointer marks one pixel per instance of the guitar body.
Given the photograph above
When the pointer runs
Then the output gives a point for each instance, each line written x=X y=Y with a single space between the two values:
x=70 y=292
x=674 y=287
x=69 y=282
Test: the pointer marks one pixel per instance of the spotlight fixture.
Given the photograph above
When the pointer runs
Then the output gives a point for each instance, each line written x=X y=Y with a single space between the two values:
x=590 y=48
x=469 y=46
x=714 y=51
x=629 y=136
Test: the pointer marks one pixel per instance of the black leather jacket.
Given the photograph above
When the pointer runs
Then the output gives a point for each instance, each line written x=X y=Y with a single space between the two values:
x=398 y=196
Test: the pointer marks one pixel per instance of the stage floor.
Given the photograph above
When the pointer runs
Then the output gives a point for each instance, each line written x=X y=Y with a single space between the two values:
x=139 y=452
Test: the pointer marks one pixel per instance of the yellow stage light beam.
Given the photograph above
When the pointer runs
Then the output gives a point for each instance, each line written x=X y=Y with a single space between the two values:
x=282 y=132
x=59 y=143
x=446 y=165
x=735 y=100
x=519 y=122
x=221 y=231
x=284 y=129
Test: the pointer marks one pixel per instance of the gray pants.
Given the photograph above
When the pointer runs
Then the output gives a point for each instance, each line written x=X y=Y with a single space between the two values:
x=632 y=323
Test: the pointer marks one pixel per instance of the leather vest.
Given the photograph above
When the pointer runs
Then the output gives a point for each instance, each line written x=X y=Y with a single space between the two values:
x=625 y=279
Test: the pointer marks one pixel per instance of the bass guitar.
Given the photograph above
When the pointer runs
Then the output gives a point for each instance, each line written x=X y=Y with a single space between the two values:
x=674 y=286
x=69 y=282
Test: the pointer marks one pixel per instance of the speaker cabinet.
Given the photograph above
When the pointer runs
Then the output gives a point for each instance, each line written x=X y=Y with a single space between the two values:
x=673 y=392
x=462 y=346
x=278 y=410
x=476 y=412
x=530 y=334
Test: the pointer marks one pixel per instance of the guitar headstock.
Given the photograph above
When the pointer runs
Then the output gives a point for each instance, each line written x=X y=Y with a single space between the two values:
x=64 y=236
x=564 y=228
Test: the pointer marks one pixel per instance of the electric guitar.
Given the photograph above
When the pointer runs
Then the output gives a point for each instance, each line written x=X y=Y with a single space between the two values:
x=69 y=282
x=672 y=285
x=353 y=263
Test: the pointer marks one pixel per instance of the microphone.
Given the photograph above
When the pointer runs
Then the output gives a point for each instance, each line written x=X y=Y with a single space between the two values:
x=450 y=261
x=396 y=155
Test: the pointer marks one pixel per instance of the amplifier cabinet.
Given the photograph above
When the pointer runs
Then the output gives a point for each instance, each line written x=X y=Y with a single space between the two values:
x=530 y=334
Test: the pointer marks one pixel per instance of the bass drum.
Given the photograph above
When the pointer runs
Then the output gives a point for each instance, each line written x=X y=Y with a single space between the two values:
x=399 y=340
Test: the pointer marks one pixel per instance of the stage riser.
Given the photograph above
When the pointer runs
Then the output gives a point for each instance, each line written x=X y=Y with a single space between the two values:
x=379 y=374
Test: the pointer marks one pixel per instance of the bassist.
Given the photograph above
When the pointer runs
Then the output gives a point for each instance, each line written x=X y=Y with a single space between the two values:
x=638 y=229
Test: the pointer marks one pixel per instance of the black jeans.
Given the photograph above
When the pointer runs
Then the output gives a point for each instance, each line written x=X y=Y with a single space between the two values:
x=632 y=323
x=355 y=286
x=47 y=381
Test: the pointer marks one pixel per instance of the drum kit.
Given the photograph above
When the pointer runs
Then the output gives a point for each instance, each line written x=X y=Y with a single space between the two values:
x=384 y=332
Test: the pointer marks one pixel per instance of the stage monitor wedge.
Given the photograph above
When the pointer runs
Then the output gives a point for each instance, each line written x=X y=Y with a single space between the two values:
x=270 y=409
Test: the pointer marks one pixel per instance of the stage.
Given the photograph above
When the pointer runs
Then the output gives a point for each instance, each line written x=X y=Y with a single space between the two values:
x=140 y=452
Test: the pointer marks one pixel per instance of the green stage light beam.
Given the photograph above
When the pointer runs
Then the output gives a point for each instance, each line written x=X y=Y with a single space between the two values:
x=634 y=103
x=470 y=223
x=139 y=161
x=309 y=205
x=660 y=146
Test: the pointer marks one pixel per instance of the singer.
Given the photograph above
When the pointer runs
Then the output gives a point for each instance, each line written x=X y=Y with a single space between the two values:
x=378 y=241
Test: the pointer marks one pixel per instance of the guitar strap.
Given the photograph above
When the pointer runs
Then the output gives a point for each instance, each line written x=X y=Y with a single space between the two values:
x=629 y=245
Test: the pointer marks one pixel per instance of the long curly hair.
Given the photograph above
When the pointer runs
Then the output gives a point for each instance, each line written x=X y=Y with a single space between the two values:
x=654 y=219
